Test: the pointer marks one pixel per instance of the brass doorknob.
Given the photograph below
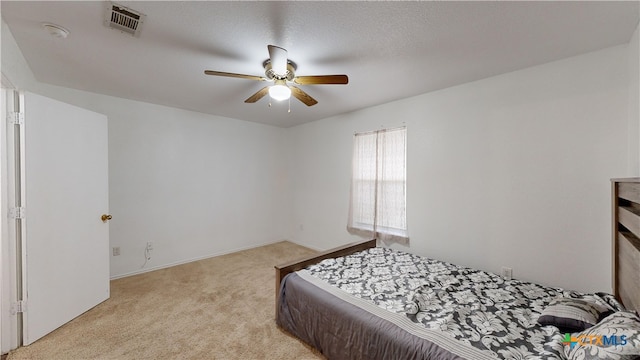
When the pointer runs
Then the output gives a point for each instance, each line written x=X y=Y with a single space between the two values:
x=105 y=218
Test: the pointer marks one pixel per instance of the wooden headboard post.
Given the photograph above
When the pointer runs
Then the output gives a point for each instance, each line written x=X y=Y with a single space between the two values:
x=626 y=241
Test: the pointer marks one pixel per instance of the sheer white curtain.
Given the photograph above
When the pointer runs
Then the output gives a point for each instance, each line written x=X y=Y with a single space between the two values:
x=377 y=207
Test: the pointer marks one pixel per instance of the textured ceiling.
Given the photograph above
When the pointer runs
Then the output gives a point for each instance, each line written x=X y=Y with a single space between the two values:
x=389 y=50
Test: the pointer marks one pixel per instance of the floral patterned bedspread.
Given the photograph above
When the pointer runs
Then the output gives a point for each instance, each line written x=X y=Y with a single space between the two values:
x=472 y=306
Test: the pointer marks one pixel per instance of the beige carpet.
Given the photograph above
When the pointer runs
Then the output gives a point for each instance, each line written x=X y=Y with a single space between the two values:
x=218 y=308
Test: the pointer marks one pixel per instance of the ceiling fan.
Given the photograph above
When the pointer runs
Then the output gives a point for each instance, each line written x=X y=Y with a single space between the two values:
x=281 y=71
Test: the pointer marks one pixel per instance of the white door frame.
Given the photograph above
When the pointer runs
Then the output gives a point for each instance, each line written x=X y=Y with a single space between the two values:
x=11 y=195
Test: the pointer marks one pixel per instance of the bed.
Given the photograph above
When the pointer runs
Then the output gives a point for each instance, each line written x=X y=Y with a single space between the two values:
x=365 y=302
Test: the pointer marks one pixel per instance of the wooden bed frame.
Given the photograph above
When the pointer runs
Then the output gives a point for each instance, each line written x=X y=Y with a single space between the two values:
x=625 y=246
x=283 y=269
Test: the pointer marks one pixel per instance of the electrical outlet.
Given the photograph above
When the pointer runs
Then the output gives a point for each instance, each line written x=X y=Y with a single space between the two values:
x=116 y=251
x=507 y=272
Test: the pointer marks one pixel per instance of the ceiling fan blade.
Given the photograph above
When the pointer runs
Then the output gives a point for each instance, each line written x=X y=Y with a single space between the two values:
x=302 y=96
x=227 y=74
x=259 y=95
x=321 y=79
x=278 y=58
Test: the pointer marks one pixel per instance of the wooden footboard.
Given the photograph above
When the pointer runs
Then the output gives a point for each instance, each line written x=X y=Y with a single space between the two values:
x=283 y=269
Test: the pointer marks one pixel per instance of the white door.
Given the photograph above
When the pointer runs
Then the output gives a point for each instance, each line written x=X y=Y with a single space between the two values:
x=66 y=192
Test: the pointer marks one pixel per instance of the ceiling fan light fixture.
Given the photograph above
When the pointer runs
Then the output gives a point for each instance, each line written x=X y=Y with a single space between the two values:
x=279 y=92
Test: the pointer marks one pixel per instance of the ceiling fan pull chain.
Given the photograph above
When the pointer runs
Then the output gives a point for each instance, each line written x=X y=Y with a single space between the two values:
x=289 y=105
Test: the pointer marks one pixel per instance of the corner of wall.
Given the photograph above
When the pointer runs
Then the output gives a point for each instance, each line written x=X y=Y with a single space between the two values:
x=14 y=66
x=634 y=103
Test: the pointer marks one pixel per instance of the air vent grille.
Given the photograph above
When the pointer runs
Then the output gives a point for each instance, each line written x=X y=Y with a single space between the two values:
x=124 y=19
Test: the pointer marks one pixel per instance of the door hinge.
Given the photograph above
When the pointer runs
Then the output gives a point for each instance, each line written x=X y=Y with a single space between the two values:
x=18 y=307
x=18 y=212
x=16 y=118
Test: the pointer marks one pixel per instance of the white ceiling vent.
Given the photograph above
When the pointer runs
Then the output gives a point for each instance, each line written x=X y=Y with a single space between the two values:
x=124 y=19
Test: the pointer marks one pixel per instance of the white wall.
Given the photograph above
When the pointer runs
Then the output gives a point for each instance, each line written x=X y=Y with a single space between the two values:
x=512 y=170
x=14 y=66
x=195 y=185
x=634 y=103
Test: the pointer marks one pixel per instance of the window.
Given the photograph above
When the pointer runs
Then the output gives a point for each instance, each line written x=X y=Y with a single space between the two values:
x=378 y=185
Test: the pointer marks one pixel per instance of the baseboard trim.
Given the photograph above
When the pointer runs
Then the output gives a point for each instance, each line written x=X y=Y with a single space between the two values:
x=186 y=261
